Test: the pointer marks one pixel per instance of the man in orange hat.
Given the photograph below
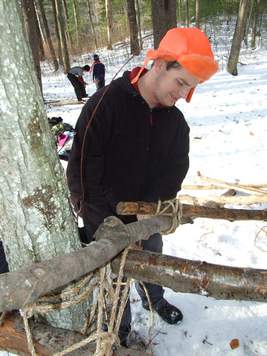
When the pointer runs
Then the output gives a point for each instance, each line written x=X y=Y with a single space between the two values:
x=135 y=145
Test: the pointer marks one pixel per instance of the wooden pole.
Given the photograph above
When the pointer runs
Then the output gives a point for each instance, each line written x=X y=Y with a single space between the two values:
x=220 y=282
x=192 y=211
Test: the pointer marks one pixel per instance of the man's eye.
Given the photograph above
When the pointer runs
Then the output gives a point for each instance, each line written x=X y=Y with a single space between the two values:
x=180 y=83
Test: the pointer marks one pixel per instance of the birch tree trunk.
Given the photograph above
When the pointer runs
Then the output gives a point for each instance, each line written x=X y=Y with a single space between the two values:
x=36 y=221
x=48 y=35
x=131 y=14
x=109 y=19
x=238 y=36
x=163 y=18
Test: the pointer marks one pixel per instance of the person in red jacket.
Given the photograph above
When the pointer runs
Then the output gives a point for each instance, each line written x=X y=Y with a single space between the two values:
x=75 y=76
x=136 y=146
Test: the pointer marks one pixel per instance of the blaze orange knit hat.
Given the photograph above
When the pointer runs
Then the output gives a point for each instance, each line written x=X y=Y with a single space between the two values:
x=188 y=46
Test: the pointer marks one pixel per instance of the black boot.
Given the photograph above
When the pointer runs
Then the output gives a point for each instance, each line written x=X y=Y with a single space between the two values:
x=165 y=310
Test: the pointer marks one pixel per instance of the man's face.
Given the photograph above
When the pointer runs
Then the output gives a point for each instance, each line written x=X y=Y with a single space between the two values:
x=173 y=84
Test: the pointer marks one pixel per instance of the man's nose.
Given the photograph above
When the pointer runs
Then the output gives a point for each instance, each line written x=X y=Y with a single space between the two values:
x=184 y=92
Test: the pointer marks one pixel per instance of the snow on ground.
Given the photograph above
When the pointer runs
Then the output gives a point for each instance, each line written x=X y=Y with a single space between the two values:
x=228 y=120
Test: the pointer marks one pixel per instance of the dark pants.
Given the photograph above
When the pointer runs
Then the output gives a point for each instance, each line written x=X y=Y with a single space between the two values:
x=79 y=87
x=3 y=262
x=100 y=83
x=155 y=292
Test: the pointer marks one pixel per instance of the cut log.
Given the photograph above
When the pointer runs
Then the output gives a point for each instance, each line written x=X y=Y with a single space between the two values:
x=192 y=211
x=220 y=282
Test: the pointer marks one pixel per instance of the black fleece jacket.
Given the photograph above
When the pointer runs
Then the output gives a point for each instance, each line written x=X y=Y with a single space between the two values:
x=131 y=152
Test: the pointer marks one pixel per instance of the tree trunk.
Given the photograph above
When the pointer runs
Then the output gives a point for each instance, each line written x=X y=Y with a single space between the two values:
x=48 y=36
x=112 y=237
x=41 y=35
x=36 y=220
x=139 y=24
x=77 y=21
x=254 y=24
x=197 y=8
x=187 y=16
x=91 y=23
x=59 y=46
x=109 y=20
x=163 y=18
x=131 y=14
x=32 y=35
x=62 y=34
x=238 y=36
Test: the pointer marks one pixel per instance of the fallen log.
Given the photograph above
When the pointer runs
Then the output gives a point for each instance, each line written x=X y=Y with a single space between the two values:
x=192 y=211
x=217 y=281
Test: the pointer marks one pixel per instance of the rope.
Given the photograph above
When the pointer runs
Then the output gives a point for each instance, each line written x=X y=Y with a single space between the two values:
x=176 y=213
x=104 y=340
x=31 y=348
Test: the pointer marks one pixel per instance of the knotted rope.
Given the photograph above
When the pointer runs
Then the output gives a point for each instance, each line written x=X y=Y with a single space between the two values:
x=105 y=341
x=175 y=214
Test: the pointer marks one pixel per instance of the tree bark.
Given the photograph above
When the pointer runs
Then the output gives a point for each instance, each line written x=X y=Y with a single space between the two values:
x=187 y=17
x=163 y=18
x=60 y=54
x=217 y=281
x=139 y=24
x=197 y=9
x=62 y=34
x=32 y=35
x=109 y=20
x=238 y=36
x=131 y=14
x=192 y=211
x=91 y=23
x=48 y=35
x=36 y=220
x=77 y=21
x=254 y=24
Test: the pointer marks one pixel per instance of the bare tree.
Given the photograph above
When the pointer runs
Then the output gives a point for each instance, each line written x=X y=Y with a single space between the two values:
x=238 y=36
x=62 y=34
x=109 y=19
x=139 y=24
x=187 y=17
x=255 y=23
x=197 y=9
x=48 y=35
x=36 y=220
x=163 y=18
x=131 y=14
x=33 y=35
x=91 y=22
x=60 y=54
x=77 y=22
